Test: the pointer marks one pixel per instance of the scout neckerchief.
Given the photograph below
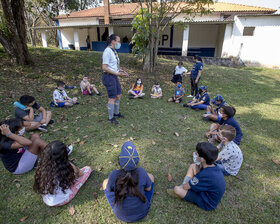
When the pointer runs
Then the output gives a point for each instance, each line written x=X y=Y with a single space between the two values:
x=61 y=92
x=116 y=55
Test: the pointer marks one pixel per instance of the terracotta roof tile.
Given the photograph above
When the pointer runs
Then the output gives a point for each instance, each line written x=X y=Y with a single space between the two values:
x=133 y=8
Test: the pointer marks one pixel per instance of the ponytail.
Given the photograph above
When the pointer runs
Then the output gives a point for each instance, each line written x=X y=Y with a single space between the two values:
x=110 y=38
x=127 y=185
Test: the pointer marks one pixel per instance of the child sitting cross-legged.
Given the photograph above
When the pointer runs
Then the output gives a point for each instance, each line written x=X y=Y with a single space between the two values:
x=129 y=190
x=201 y=100
x=137 y=89
x=25 y=110
x=57 y=179
x=204 y=183
x=230 y=157
x=87 y=87
x=178 y=94
x=212 y=113
x=156 y=91
x=60 y=97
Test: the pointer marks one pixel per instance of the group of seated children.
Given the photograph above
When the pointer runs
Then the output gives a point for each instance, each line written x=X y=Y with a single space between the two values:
x=56 y=178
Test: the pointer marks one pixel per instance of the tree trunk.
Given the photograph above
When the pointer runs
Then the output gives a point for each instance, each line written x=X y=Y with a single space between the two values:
x=147 y=62
x=156 y=47
x=15 y=41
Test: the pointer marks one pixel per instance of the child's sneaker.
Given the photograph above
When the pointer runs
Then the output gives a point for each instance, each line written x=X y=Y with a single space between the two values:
x=51 y=121
x=119 y=115
x=185 y=105
x=113 y=121
x=43 y=128
x=69 y=149
x=99 y=94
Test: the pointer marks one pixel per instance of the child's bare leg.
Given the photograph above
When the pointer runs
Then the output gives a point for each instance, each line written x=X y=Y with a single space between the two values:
x=180 y=191
x=132 y=92
x=32 y=125
x=49 y=117
x=193 y=170
x=37 y=146
x=104 y=185
x=94 y=89
x=170 y=99
x=88 y=88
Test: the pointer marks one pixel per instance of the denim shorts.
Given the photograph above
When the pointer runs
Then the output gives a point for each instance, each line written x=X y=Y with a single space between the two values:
x=112 y=84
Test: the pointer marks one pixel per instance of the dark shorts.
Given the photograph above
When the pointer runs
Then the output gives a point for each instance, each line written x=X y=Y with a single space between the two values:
x=174 y=99
x=192 y=197
x=111 y=198
x=61 y=104
x=112 y=84
x=176 y=78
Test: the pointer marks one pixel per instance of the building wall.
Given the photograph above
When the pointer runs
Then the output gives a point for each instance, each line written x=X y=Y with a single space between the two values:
x=67 y=37
x=124 y=32
x=263 y=48
x=78 y=21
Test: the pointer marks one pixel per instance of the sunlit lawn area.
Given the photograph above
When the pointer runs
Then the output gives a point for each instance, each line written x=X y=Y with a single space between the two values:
x=253 y=197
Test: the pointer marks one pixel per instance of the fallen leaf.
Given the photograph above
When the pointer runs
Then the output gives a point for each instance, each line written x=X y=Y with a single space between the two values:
x=124 y=135
x=16 y=180
x=71 y=210
x=101 y=189
x=78 y=140
x=110 y=162
x=132 y=125
x=18 y=185
x=55 y=130
x=107 y=150
x=100 y=168
x=85 y=136
x=177 y=134
x=65 y=127
x=82 y=142
x=153 y=142
x=159 y=131
x=276 y=161
x=116 y=146
x=131 y=139
x=24 y=218
x=77 y=129
x=169 y=177
x=95 y=195
x=157 y=192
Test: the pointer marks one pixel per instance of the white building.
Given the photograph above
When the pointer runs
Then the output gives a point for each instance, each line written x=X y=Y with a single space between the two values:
x=231 y=30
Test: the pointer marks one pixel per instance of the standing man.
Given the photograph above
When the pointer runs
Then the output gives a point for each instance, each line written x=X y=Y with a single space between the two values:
x=111 y=71
x=88 y=43
x=195 y=75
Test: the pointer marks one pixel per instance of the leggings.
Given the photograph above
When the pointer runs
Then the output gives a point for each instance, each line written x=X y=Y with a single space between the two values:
x=194 y=87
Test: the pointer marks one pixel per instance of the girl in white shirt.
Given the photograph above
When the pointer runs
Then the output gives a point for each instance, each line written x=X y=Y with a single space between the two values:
x=178 y=73
x=56 y=178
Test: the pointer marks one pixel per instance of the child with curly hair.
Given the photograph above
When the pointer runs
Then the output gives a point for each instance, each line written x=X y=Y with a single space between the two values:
x=57 y=179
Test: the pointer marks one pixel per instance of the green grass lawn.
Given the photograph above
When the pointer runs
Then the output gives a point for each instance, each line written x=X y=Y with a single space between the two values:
x=254 y=197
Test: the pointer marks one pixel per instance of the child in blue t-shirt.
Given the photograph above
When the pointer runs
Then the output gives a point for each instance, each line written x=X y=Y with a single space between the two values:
x=212 y=113
x=204 y=183
x=201 y=101
x=178 y=94
x=227 y=114
x=129 y=190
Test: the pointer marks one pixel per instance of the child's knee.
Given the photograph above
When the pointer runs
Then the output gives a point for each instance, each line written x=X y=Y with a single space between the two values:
x=104 y=185
x=177 y=190
x=151 y=177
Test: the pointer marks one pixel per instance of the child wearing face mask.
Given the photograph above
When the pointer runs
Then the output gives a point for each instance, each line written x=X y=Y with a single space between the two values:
x=60 y=97
x=19 y=154
x=178 y=94
x=227 y=114
x=204 y=183
x=87 y=87
x=179 y=72
x=156 y=91
x=137 y=89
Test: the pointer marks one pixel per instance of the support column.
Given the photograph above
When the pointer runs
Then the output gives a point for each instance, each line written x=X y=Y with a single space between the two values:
x=44 y=39
x=185 y=41
x=76 y=40
x=227 y=43
x=111 y=30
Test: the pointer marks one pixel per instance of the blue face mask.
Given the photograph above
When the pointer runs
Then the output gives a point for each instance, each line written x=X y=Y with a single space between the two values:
x=118 y=46
x=179 y=85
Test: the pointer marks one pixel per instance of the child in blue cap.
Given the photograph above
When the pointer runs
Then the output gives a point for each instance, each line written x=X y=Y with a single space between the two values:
x=129 y=190
x=212 y=113
x=204 y=183
x=201 y=100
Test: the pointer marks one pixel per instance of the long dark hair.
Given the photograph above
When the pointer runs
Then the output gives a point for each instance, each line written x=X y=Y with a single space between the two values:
x=127 y=185
x=14 y=125
x=110 y=38
x=135 y=84
x=54 y=168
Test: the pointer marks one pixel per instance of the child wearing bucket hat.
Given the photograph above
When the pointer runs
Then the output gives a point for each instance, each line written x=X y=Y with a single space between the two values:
x=201 y=101
x=212 y=113
x=129 y=190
